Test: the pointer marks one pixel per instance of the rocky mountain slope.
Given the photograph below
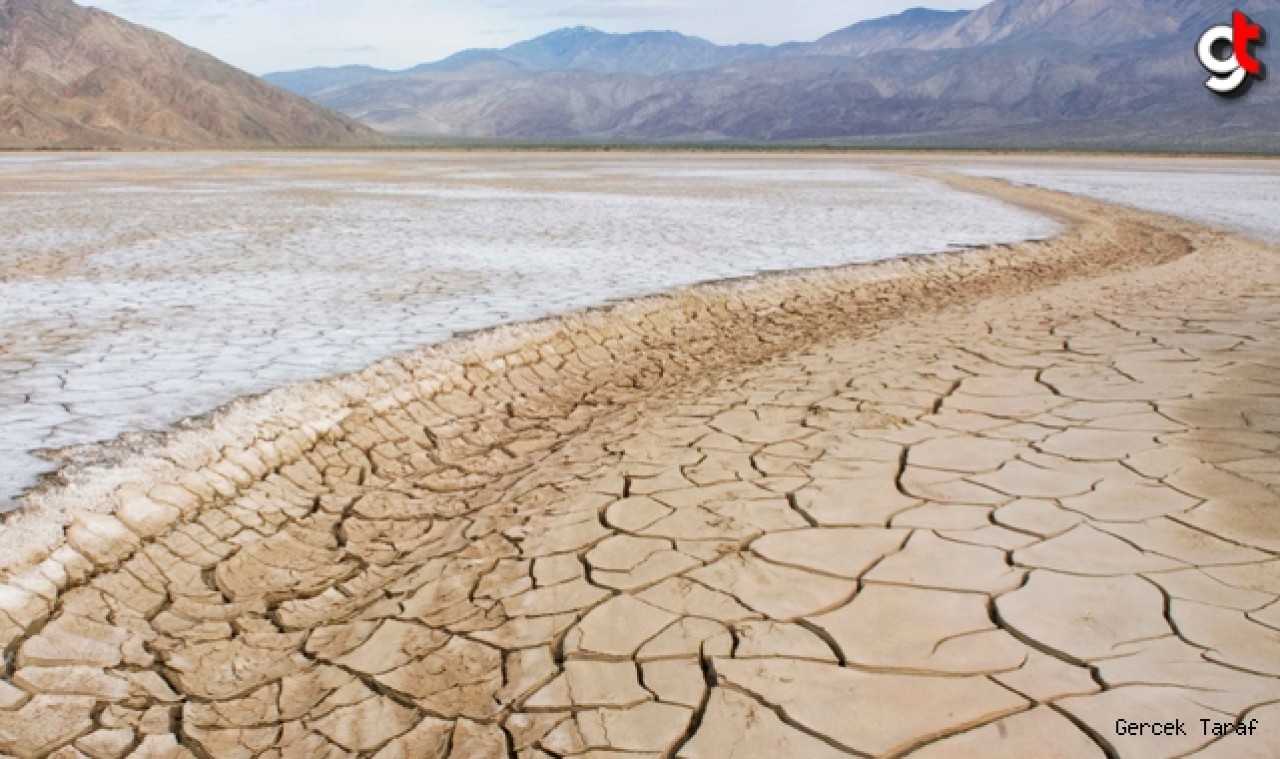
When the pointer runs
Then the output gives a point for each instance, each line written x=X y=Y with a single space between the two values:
x=907 y=29
x=1042 y=73
x=79 y=77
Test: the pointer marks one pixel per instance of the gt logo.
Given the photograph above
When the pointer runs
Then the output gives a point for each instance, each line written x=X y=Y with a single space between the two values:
x=1232 y=74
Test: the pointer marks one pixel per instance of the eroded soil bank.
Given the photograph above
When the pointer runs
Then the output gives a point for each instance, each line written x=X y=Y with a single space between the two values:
x=977 y=504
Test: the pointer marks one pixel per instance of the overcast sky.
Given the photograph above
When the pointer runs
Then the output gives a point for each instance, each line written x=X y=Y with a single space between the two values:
x=262 y=36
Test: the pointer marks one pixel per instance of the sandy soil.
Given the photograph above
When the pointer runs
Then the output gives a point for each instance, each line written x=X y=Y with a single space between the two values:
x=984 y=504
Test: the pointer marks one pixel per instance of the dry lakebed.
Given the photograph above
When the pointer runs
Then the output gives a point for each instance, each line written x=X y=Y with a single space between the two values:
x=703 y=456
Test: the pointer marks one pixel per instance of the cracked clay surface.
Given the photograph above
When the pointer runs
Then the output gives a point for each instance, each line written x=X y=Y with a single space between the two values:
x=140 y=290
x=974 y=505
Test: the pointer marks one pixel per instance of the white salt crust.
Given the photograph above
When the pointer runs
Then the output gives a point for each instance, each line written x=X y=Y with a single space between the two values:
x=139 y=290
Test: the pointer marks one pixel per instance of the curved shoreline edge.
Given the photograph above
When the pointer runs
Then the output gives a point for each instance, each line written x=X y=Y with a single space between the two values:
x=987 y=500
x=474 y=412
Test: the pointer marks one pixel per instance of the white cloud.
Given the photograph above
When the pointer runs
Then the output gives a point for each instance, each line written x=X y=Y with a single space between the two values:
x=274 y=35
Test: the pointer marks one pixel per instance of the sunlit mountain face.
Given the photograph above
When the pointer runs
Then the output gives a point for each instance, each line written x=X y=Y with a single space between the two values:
x=76 y=77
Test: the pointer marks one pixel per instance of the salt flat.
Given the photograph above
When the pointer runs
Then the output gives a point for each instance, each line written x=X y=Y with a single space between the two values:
x=137 y=290
x=1240 y=195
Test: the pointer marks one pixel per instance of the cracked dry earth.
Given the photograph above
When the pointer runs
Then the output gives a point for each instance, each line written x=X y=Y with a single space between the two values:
x=987 y=516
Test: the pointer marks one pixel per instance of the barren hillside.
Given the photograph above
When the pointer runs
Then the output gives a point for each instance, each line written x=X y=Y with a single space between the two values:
x=79 y=77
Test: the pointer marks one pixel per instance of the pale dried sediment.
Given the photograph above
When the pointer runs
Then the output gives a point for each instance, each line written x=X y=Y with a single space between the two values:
x=697 y=330
x=137 y=290
x=614 y=531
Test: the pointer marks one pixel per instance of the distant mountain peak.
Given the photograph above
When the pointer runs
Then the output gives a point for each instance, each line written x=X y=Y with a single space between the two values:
x=651 y=53
x=901 y=30
x=579 y=30
x=920 y=11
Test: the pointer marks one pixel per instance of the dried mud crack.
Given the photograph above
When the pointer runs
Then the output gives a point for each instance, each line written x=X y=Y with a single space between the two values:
x=982 y=504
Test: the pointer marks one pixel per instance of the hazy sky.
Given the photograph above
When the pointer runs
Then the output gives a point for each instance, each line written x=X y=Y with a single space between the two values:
x=272 y=35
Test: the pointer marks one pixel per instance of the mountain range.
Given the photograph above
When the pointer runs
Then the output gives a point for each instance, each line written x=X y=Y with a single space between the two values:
x=1070 y=74
x=1014 y=73
x=78 y=77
